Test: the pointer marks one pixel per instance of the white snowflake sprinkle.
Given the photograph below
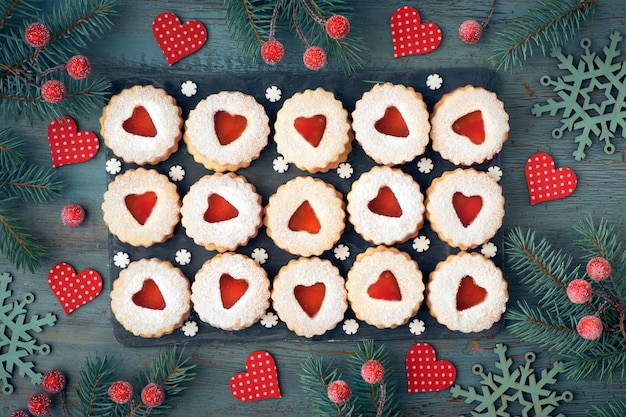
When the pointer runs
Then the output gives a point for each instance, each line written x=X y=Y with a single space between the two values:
x=434 y=81
x=113 y=166
x=344 y=170
x=421 y=243
x=189 y=88
x=177 y=173
x=121 y=260
x=489 y=250
x=183 y=257
x=259 y=255
x=273 y=94
x=495 y=172
x=280 y=165
x=350 y=326
x=425 y=165
x=190 y=328
x=269 y=320
x=417 y=327
x=342 y=252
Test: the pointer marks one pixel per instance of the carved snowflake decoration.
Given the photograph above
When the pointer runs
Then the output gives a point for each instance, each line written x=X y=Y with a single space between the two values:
x=489 y=250
x=350 y=326
x=259 y=255
x=16 y=342
x=521 y=386
x=176 y=173
x=417 y=327
x=269 y=320
x=345 y=170
x=113 y=166
x=425 y=165
x=273 y=94
x=342 y=252
x=495 y=172
x=590 y=96
x=190 y=328
x=434 y=81
x=189 y=88
x=121 y=260
x=421 y=244
x=280 y=165
x=183 y=257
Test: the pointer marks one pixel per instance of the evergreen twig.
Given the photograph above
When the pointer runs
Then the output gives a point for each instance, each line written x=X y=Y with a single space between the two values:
x=612 y=409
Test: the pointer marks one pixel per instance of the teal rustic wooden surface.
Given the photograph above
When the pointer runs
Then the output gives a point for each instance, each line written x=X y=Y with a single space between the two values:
x=131 y=49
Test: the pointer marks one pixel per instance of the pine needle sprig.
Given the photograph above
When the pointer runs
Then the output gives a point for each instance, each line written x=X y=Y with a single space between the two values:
x=92 y=389
x=549 y=25
x=17 y=8
x=248 y=23
x=611 y=409
x=314 y=379
x=30 y=183
x=10 y=149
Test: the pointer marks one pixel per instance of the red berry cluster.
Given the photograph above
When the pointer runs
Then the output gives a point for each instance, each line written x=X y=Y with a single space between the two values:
x=272 y=51
x=372 y=372
x=152 y=395
x=39 y=404
x=78 y=67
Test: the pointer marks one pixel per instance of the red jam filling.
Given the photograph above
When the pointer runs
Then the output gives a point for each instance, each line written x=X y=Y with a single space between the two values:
x=140 y=123
x=392 y=123
x=385 y=203
x=219 y=210
x=471 y=126
x=385 y=288
x=467 y=208
x=311 y=128
x=304 y=219
x=141 y=205
x=228 y=127
x=231 y=290
x=310 y=298
x=469 y=294
x=149 y=296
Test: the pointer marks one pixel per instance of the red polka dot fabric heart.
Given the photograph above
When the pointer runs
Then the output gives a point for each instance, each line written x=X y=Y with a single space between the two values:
x=425 y=373
x=259 y=382
x=545 y=182
x=71 y=289
x=410 y=36
x=68 y=145
x=178 y=40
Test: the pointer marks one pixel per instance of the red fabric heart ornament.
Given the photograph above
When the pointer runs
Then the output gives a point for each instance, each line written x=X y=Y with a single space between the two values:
x=410 y=36
x=546 y=183
x=68 y=145
x=260 y=381
x=71 y=289
x=178 y=40
x=425 y=373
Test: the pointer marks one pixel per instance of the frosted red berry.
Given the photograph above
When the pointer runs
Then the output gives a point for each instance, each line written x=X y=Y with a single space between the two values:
x=78 y=67
x=598 y=269
x=152 y=395
x=37 y=35
x=314 y=58
x=53 y=91
x=19 y=413
x=470 y=31
x=53 y=381
x=589 y=327
x=372 y=372
x=39 y=404
x=339 y=392
x=337 y=27
x=272 y=52
x=579 y=291
x=121 y=392
x=72 y=215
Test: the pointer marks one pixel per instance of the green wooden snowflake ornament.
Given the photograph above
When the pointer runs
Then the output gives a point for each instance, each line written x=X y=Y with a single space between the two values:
x=590 y=96
x=519 y=386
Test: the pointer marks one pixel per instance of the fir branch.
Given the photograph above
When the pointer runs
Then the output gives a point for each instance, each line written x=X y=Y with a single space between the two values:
x=551 y=22
x=30 y=183
x=92 y=398
x=10 y=152
x=9 y=9
x=611 y=409
x=314 y=380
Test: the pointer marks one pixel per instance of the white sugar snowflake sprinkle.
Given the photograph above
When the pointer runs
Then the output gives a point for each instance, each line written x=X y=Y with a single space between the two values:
x=269 y=320
x=280 y=165
x=421 y=244
x=434 y=81
x=417 y=327
x=176 y=173
x=273 y=94
x=495 y=172
x=425 y=165
x=190 y=328
x=189 y=88
x=345 y=170
x=113 y=166
x=121 y=260
x=342 y=252
x=259 y=255
x=489 y=250
x=350 y=326
x=183 y=257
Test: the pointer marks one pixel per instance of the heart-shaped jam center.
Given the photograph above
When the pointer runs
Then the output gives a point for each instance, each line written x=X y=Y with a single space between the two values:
x=385 y=288
x=228 y=127
x=141 y=205
x=471 y=126
x=231 y=290
x=469 y=294
x=310 y=298
x=385 y=203
x=311 y=128
x=392 y=123
x=149 y=296
x=467 y=208
x=304 y=219
x=219 y=209
x=140 y=123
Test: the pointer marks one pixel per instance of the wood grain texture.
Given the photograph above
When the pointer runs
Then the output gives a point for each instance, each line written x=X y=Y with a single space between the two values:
x=131 y=49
